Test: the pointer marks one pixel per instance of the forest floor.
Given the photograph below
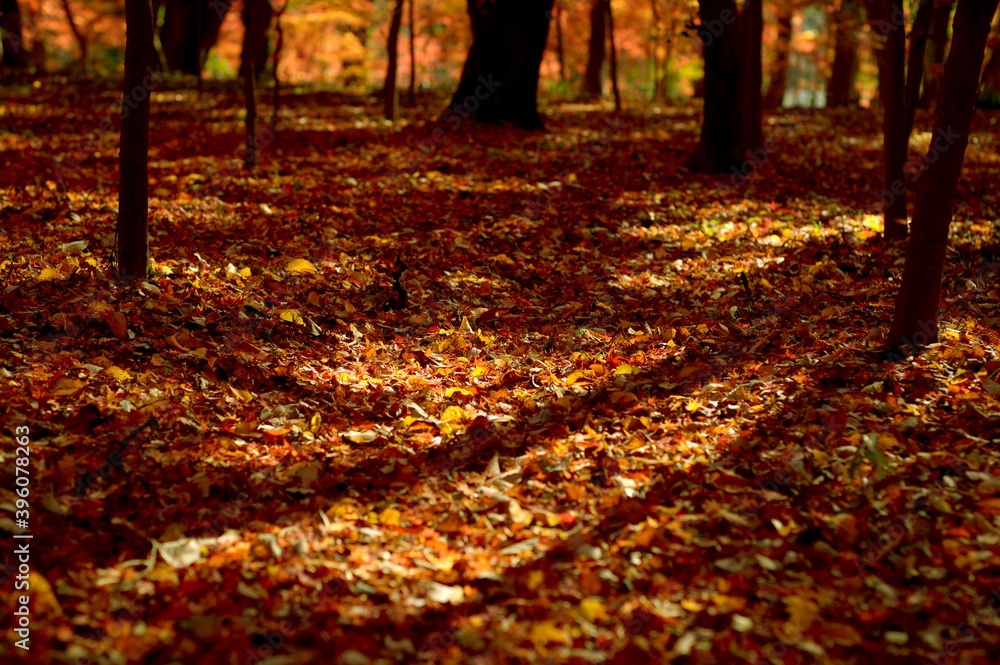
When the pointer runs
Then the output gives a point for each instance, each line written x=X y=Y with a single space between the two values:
x=623 y=413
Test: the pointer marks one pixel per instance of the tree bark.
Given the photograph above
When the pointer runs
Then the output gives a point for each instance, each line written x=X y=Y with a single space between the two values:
x=133 y=160
x=190 y=29
x=779 y=69
x=915 y=318
x=249 y=72
x=390 y=93
x=915 y=62
x=11 y=34
x=840 y=90
x=888 y=23
x=279 y=43
x=731 y=116
x=751 y=31
x=411 y=20
x=500 y=78
x=614 y=59
x=592 y=79
x=256 y=21
x=937 y=48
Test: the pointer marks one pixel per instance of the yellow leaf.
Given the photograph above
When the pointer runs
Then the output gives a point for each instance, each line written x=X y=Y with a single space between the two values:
x=626 y=369
x=244 y=395
x=300 y=265
x=292 y=316
x=315 y=422
x=67 y=386
x=801 y=611
x=453 y=414
x=461 y=391
x=546 y=631
x=592 y=609
x=389 y=517
x=117 y=373
x=48 y=274
x=573 y=378
x=692 y=405
x=535 y=579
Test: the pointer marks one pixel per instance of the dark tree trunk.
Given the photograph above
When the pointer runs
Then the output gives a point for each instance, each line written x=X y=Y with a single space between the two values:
x=190 y=29
x=411 y=19
x=614 y=59
x=937 y=48
x=847 y=23
x=915 y=62
x=13 y=39
x=592 y=79
x=779 y=69
x=751 y=31
x=390 y=93
x=500 y=78
x=133 y=159
x=915 y=318
x=249 y=72
x=256 y=21
x=279 y=42
x=731 y=118
x=888 y=24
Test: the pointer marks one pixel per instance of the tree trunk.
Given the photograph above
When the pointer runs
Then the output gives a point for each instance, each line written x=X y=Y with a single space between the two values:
x=887 y=21
x=79 y=37
x=989 y=96
x=190 y=29
x=133 y=158
x=279 y=42
x=614 y=59
x=390 y=93
x=12 y=37
x=915 y=62
x=592 y=79
x=847 y=23
x=248 y=70
x=560 y=50
x=779 y=69
x=411 y=19
x=938 y=47
x=720 y=145
x=915 y=318
x=751 y=23
x=256 y=20
x=500 y=78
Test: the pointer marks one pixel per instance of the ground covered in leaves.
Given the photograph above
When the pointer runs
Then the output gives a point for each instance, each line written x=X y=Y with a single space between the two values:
x=501 y=397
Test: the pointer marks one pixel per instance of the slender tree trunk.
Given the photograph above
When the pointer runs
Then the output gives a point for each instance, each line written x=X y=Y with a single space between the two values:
x=411 y=19
x=938 y=47
x=779 y=69
x=592 y=79
x=887 y=21
x=560 y=51
x=256 y=20
x=915 y=62
x=248 y=70
x=500 y=78
x=190 y=29
x=13 y=39
x=989 y=96
x=915 y=318
x=847 y=23
x=390 y=93
x=133 y=159
x=81 y=39
x=614 y=58
x=751 y=24
x=720 y=144
x=279 y=43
